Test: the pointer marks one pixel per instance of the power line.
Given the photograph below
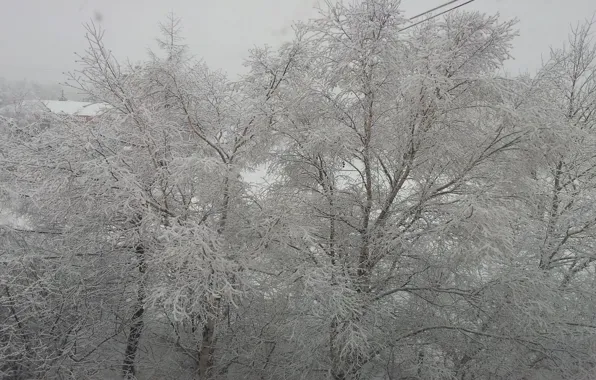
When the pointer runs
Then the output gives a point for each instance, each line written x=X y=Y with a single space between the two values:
x=434 y=9
x=437 y=15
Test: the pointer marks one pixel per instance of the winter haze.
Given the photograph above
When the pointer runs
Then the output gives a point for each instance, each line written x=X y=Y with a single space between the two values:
x=41 y=36
x=255 y=190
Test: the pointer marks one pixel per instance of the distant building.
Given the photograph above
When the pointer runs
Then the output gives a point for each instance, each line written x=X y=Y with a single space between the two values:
x=83 y=111
x=80 y=110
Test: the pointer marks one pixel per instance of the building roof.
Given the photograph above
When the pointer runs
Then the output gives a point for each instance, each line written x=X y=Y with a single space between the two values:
x=73 y=108
x=59 y=107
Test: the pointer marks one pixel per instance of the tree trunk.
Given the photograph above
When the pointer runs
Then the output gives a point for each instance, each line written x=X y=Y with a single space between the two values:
x=137 y=323
x=207 y=349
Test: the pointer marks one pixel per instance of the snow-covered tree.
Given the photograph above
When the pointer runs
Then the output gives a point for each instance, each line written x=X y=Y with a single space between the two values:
x=422 y=215
x=398 y=166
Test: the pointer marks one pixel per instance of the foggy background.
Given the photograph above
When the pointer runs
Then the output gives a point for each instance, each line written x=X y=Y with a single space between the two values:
x=40 y=37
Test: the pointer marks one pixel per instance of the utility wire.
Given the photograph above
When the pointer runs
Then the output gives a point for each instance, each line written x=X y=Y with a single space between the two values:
x=434 y=9
x=437 y=15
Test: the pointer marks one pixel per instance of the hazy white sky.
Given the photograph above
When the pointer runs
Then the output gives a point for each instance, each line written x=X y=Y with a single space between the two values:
x=38 y=38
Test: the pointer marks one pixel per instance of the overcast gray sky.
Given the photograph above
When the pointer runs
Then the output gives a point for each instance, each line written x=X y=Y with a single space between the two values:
x=38 y=38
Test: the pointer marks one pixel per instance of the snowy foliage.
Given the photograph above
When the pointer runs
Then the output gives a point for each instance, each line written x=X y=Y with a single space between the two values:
x=421 y=215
